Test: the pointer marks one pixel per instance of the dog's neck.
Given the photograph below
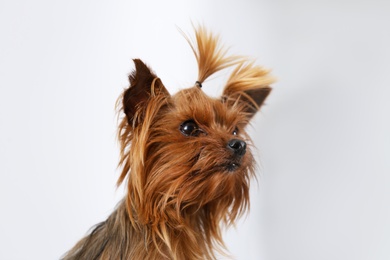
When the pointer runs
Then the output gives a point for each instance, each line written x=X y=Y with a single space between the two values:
x=194 y=235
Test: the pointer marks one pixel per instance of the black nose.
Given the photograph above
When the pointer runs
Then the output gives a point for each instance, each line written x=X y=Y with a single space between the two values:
x=237 y=146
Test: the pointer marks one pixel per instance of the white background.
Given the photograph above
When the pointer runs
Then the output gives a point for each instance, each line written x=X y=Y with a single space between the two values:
x=323 y=139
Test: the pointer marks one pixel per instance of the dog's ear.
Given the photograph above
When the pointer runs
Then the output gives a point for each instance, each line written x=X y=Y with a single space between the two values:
x=247 y=88
x=144 y=85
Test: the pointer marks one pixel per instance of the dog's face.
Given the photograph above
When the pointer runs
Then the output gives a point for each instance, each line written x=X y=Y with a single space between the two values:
x=198 y=156
x=189 y=153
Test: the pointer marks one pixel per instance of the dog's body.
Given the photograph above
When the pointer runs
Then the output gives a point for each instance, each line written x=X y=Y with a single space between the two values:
x=186 y=161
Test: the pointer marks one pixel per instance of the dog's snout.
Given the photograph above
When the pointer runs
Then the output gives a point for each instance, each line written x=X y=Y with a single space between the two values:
x=237 y=146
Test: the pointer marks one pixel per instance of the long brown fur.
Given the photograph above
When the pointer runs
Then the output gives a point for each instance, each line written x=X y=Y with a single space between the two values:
x=181 y=188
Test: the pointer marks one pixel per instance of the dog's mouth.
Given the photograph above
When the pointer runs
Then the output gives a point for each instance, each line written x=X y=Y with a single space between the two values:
x=232 y=166
x=229 y=167
x=228 y=164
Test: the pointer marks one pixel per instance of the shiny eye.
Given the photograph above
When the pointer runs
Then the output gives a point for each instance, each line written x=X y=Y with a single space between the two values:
x=189 y=128
x=235 y=132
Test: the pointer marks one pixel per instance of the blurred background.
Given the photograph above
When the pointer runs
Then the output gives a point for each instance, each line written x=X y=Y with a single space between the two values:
x=323 y=139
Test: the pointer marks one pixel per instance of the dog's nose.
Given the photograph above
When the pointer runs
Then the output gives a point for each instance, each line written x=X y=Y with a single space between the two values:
x=237 y=146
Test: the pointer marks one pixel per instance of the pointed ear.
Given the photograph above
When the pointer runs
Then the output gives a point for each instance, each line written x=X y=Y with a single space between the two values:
x=248 y=87
x=144 y=85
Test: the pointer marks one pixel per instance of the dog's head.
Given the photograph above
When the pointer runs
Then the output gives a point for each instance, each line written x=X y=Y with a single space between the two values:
x=187 y=156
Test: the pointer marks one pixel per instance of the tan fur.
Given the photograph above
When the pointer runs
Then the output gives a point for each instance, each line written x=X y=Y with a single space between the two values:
x=210 y=54
x=180 y=188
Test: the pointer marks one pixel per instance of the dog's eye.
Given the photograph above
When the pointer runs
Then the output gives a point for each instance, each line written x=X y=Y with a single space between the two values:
x=235 y=132
x=189 y=128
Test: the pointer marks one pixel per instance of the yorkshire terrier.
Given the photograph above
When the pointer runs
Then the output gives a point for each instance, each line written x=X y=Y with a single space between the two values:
x=186 y=159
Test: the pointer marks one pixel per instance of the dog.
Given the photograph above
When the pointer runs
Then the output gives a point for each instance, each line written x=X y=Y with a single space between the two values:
x=185 y=158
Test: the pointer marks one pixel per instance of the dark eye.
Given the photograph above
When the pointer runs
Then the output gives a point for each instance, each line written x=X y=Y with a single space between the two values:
x=235 y=132
x=189 y=128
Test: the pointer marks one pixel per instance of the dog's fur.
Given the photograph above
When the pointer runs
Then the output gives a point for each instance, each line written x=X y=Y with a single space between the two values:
x=184 y=159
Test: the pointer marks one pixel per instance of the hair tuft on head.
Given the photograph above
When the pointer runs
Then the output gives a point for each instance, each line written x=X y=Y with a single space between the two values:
x=210 y=54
